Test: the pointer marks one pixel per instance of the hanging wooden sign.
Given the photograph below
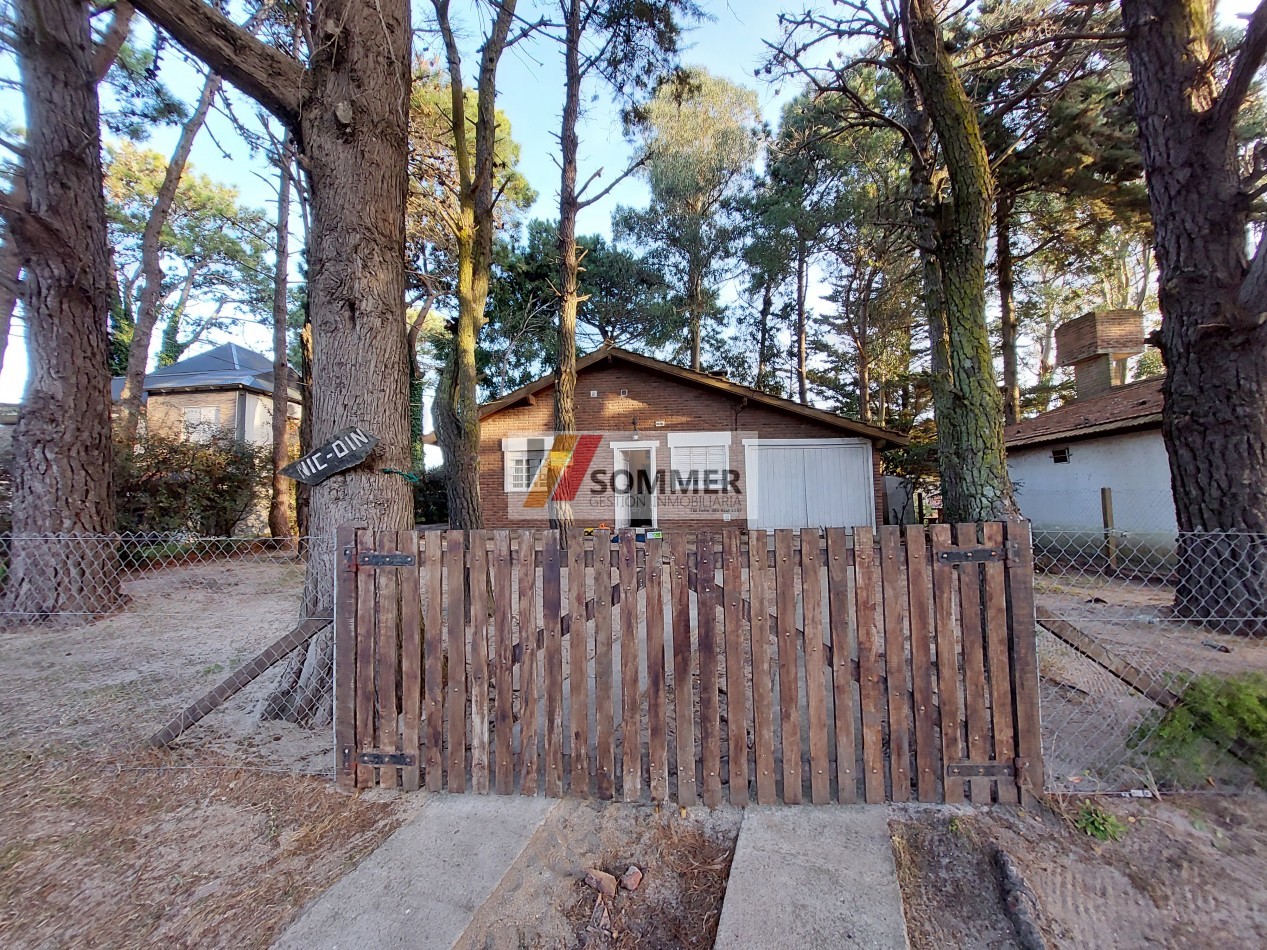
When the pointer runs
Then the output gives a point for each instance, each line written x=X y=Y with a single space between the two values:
x=346 y=449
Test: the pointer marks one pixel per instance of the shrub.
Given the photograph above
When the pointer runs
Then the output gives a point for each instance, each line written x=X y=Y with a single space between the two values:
x=1215 y=715
x=431 y=497
x=203 y=486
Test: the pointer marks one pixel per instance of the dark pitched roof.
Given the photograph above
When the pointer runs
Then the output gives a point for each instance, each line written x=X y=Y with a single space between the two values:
x=1123 y=408
x=228 y=366
x=886 y=438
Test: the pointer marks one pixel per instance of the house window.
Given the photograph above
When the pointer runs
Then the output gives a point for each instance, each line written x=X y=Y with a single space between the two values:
x=1060 y=456
x=521 y=468
x=200 y=421
x=702 y=458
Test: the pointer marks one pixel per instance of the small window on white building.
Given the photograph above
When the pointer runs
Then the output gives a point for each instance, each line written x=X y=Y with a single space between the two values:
x=1060 y=456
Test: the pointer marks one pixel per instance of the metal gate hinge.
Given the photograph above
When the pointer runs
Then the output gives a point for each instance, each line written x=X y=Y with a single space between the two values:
x=385 y=758
x=372 y=559
x=980 y=770
x=1003 y=554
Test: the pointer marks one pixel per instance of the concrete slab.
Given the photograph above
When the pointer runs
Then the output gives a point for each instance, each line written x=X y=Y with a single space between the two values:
x=813 y=877
x=421 y=887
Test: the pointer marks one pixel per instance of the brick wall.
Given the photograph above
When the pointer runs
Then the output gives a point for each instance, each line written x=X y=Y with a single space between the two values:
x=1116 y=332
x=651 y=399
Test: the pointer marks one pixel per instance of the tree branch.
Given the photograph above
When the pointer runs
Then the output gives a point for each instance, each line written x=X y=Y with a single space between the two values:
x=107 y=50
x=264 y=73
x=1241 y=79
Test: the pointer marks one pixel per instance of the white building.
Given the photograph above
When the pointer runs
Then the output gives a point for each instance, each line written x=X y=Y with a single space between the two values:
x=1109 y=437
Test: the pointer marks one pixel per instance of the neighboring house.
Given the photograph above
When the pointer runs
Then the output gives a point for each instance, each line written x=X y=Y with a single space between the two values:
x=228 y=387
x=660 y=446
x=1109 y=436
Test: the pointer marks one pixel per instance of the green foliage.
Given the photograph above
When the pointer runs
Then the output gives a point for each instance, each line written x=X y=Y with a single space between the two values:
x=204 y=485
x=1215 y=714
x=1098 y=823
x=431 y=497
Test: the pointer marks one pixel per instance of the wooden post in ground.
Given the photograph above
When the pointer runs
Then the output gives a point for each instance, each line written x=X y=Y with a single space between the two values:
x=1110 y=539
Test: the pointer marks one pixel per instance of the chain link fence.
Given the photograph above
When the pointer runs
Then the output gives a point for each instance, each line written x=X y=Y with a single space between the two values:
x=110 y=644
x=1152 y=657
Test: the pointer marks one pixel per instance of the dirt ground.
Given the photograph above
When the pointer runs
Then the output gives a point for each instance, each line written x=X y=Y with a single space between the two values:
x=91 y=856
x=1188 y=873
x=543 y=902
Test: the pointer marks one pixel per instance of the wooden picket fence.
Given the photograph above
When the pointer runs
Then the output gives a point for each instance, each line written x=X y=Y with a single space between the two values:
x=844 y=665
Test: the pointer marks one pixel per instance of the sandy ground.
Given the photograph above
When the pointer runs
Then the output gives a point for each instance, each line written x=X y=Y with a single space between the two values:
x=1187 y=874
x=107 y=685
x=543 y=902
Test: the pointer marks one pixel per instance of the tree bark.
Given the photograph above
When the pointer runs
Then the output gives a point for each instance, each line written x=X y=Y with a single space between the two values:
x=802 y=356
x=280 y=509
x=1007 y=309
x=456 y=411
x=1214 y=341
x=974 y=479
x=63 y=458
x=763 y=334
x=129 y=408
x=348 y=111
x=569 y=267
x=10 y=274
x=695 y=307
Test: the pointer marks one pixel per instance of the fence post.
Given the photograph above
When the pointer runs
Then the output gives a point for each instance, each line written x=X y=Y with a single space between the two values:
x=345 y=657
x=1110 y=538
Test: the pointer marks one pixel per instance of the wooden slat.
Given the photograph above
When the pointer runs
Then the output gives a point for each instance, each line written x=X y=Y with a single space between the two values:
x=1020 y=578
x=604 y=712
x=789 y=692
x=410 y=661
x=455 y=705
x=838 y=602
x=870 y=690
x=974 y=694
x=924 y=711
x=999 y=662
x=527 y=581
x=815 y=680
x=503 y=670
x=366 y=649
x=433 y=661
x=479 y=661
x=578 y=665
x=895 y=665
x=683 y=698
x=657 y=725
x=345 y=631
x=631 y=733
x=387 y=584
x=551 y=607
x=762 y=690
x=950 y=718
x=736 y=688
x=709 y=711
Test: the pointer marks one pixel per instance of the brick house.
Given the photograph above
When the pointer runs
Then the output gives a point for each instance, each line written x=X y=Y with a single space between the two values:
x=228 y=387
x=662 y=446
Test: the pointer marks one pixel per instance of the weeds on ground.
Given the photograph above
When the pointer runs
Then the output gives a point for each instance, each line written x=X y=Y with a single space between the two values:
x=1098 y=823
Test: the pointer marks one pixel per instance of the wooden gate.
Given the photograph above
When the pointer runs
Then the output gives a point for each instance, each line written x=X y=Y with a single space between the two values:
x=744 y=666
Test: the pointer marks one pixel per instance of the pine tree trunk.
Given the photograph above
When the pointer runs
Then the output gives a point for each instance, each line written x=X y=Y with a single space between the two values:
x=10 y=271
x=763 y=334
x=802 y=355
x=1215 y=392
x=695 y=308
x=1007 y=310
x=569 y=282
x=129 y=409
x=280 y=514
x=969 y=412
x=63 y=458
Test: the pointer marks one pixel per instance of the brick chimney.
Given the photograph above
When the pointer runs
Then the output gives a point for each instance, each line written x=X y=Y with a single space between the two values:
x=1097 y=345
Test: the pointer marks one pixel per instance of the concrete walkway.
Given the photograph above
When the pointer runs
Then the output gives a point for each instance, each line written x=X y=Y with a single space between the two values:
x=813 y=877
x=421 y=887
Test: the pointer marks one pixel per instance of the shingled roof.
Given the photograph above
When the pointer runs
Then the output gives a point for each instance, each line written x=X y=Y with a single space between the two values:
x=1131 y=407
x=228 y=366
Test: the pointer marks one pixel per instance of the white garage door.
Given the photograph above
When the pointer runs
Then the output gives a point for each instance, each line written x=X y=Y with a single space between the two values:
x=808 y=483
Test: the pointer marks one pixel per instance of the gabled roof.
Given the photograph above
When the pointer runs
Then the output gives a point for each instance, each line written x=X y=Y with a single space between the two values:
x=1131 y=407
x=885 y=438
x=228 y=366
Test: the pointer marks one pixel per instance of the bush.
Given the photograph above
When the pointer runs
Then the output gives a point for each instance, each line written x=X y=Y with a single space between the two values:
x=1216 y=715
x=431 y=498
x=203 y=487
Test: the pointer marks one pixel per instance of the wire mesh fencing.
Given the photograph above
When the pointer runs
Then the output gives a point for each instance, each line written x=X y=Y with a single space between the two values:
x=112 y=644
x=1152 y=658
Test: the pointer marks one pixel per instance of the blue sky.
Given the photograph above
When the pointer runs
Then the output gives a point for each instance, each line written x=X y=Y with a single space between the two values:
x=530 y=93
